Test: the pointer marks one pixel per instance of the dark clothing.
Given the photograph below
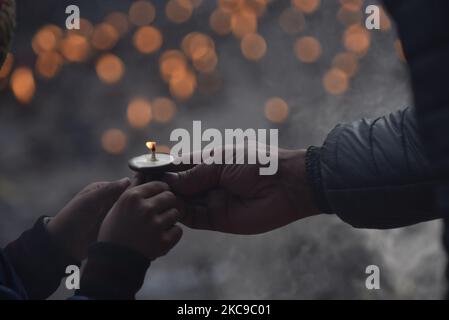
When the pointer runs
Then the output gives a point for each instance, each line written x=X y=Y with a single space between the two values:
x=32 y=268
x=424 y=31
x=374 y=174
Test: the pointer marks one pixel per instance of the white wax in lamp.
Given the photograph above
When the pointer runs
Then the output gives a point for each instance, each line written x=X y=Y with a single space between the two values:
x=151 y=162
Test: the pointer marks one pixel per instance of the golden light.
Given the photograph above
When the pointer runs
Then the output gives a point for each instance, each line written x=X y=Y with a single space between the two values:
x=336 y=82
x=172 y=65
x=164 y=109
x=292 y=21
x=207 y=63
x=258 y=7
x=220 y=22
x=75 y=48
x=119 y=21
x=151 y=145
x=349 y=17
x=139 y=113
x=48 y=64
x=110 y=68
x=352 y=5
x=104 y=37
x=46 y=39
x=7 y=66
x=142 y=13
x=307 y=49
x=347 y=62
x=197 y=45
x=148 y=39
x=229 y=6
x=179 y=11
x=243 y=23
x=23 y=85
x=114 y=141
x=357 y=39
x=253 y=46
x=183 y=87
x=86 y=28
x=276 y=110
x=307 y=6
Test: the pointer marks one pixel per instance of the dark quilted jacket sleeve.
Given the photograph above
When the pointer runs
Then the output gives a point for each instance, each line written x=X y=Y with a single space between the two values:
x=373 y=173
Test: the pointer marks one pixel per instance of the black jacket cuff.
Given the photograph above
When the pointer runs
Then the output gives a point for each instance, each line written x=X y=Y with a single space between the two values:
x=38 y=261
x=313 y=172
x=113 y=272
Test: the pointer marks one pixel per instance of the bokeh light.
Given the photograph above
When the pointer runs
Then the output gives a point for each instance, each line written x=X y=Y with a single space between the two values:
x=139 y=113
x=335 y=82
x=75 y=48
x=119 y=21
x=23 y=84
x=253 y=46
x=164 y=109
x=46 y=39
x=220 y=22
x=306 y=6
x=347 y=62
x=172 y=65
x=357 y=39
x=148 y=39
x=114 y=141
x=142 y=13
x=276 y=110
x=179 y=11
x=48 y=64
x=183 y=87
x=243 y=23
x=110 y=68
x=104 y=37
x=307 y=49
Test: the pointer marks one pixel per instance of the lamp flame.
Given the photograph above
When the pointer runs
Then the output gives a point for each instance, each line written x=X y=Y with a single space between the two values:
x=152 y=147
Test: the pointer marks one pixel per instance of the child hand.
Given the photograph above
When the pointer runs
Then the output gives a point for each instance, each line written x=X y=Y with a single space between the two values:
x=76 y=226
x=143 y=219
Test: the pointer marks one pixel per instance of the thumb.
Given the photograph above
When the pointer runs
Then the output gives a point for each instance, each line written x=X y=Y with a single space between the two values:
x=195 y=181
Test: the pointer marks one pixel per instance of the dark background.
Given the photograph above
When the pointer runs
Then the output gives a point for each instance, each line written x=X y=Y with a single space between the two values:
x=51 y=147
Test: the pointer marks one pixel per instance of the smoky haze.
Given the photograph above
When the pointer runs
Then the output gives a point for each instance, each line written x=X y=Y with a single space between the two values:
x=51 y=148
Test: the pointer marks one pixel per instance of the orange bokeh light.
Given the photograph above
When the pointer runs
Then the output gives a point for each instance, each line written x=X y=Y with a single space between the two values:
x=307 y=49
x=243 y=23
x=110 y=68
x=48 y=64
x=276 y=110
x=104 y=37
x=306 y=6
x=23 y=84
x=253 y=46
x=142 y=13
x=357 y=39
x=148 y=39
x=139 y=113
x=114 y=141
x=179 y=11
x=164 y=109
x=292 y=21
x=336 y=82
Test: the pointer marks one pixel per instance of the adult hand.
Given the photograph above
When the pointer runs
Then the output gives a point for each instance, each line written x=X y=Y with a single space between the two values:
x=235 y=198
x=144 y=220
x=76 y=226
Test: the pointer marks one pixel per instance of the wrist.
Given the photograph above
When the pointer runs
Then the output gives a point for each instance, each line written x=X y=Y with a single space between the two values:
x=294 y=172
x=113 y=272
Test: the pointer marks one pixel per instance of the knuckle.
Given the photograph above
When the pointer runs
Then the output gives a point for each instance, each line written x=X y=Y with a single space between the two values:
x=160 y=186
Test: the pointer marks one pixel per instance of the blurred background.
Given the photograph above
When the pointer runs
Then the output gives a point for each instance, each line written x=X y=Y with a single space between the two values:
x=76 y=105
